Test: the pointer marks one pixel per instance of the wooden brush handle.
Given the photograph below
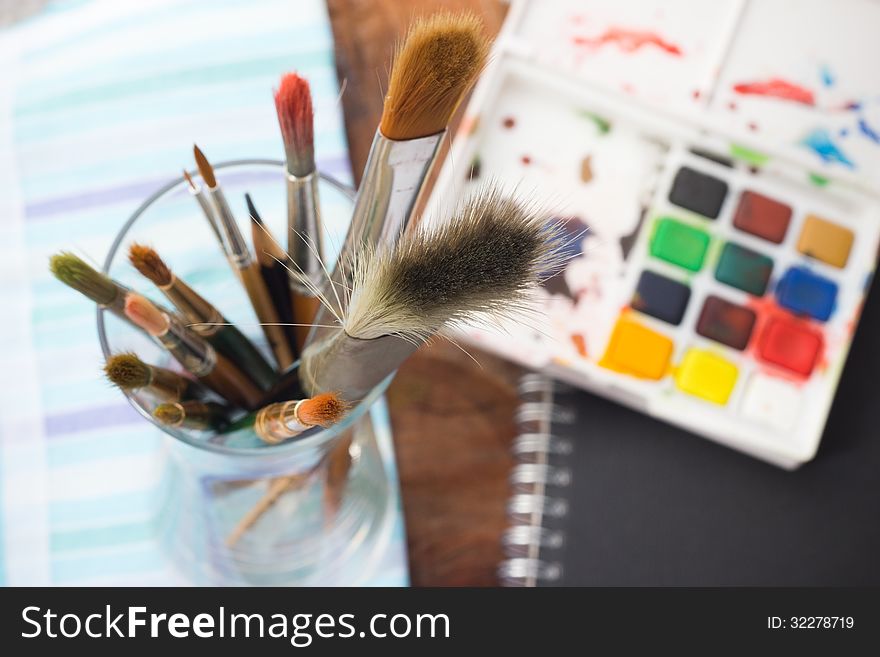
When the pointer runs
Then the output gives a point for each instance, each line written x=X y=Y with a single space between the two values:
x=304 y=310
x=231 y=383
x=277 y=488
x=336 y=476
x=265 y=310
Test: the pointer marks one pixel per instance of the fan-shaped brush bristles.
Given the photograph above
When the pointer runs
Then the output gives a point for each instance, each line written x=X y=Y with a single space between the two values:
x=171 y=414
x=482 y=262
x=127 y=371
x=148 y=263
x=434 y=67
x=322 y=410
x=82 y=277
x=144 y=314
x=293 y=103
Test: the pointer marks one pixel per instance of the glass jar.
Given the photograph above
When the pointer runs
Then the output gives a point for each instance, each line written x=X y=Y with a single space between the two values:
x=323 y=504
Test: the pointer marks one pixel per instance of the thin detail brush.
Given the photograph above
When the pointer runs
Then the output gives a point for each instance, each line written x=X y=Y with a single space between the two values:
x=480 y=265
x=199 y=195
x=271 y=258
x=130 y=373
x=293 y=104
x=193 y=353
x=206 y=319
x=244 y=264
x=199 y=415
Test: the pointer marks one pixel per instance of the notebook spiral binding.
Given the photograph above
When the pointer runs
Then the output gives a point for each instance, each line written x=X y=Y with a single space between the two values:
x=538 y=485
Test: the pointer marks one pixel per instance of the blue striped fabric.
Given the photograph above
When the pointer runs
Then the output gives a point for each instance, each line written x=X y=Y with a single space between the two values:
x=100 y=103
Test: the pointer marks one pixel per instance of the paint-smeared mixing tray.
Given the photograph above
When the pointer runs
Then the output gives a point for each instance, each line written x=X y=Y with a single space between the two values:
x=719 y=283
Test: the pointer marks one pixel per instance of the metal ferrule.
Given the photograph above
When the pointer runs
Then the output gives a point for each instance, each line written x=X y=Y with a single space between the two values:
x=393 y=178
x=208 y=211
x=190 y=350
x=236 y=248
x=305 y=234
x=198 y=415
x=167 y=385
x=350 y=366
x=117 y=306
x=278 y=422
x=194 y=308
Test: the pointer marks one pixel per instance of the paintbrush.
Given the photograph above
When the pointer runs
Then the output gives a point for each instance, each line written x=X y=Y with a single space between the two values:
x=328 y=406
x=196 y=192
x=271 y=258
x=206 y=319
x=130 y=373
x=193 y=353
x=293 y=103
x=434 y=66
x=199 y=415
x=244 y=264
x=85 y=279
x=277 y=487
x=278 y=422
x=479 y=266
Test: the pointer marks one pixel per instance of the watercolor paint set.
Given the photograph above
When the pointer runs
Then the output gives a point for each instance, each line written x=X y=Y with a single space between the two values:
x=716 y=166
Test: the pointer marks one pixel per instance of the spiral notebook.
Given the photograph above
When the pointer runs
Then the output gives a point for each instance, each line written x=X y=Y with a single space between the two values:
x=602 y=495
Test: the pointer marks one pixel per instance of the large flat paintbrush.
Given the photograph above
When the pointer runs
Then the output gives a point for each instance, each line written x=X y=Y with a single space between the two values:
x=478 y=266
x=206 y=320
x=434 y=67
x=243 y=262
x=193 y=353
x=293 y=103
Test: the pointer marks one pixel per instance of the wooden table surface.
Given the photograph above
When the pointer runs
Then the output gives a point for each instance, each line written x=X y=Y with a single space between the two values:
x=452 y=418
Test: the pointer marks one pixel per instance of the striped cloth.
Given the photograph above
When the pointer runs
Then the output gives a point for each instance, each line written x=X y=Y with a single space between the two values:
x=100 y=102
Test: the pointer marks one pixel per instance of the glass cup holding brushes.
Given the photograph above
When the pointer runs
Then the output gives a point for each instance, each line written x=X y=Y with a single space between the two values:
x=279 y=477
x=255 y=495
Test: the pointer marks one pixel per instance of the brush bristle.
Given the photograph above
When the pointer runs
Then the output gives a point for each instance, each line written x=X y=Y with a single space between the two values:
x=144 y=314
x=82 y=277
x=252 y=209
x=205 y=168
x=293 y=102
x=269 y=253
x=170 y=413
x=434 y=66
x=148 y=263
x=322 y=410
x=190 y=181
x=127 y=371
x=481 y=264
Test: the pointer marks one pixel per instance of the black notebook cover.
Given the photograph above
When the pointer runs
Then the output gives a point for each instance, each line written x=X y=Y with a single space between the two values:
x=606 y=496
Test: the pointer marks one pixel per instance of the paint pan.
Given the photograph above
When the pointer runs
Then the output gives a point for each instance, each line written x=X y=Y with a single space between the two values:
x=717 y=272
